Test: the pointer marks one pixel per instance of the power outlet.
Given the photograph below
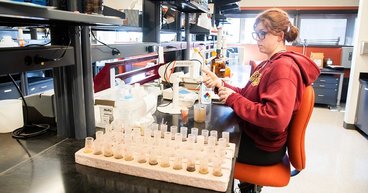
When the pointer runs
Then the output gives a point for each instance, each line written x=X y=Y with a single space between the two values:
x=364 y=48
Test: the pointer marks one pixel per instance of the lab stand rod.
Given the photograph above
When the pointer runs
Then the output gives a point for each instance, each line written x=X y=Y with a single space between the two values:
x=187 y=37
x=88 y=81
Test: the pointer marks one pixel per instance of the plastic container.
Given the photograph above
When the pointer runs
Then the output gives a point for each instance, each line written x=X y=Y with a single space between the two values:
x=11 y=115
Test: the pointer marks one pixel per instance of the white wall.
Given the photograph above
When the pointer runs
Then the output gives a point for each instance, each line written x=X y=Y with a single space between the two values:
x=359 y=62
x=300 y=3
x=123 y=4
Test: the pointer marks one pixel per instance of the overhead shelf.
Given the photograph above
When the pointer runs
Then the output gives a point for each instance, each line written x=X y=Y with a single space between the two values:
x=117 y=28
x=22 y=59
x=17 y=13
x=101 y=52
x=188 y=6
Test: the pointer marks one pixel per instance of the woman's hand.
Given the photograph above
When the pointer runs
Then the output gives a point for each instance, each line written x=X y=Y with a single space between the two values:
x=224 y=93
x=210 y=79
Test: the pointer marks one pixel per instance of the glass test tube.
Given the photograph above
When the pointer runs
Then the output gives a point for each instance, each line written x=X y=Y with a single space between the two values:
x=107 y=148
x=163 y=128
x=152 y=159
x=97 y=150
x=205 y=134
x=212 y=141
x=164 y=161
x=167 y=138
x=190 y=163
x=88 y=145
x=194 y=131
x=200 y=142
x=184 y=132
x=157 y=137
x=203 y=164
x=141 y=157
x=214 y=134
x=178 y=140
x=226 y=135
x=216 y=167
x=118 y=151
x=99 y=135
x=154 y=127
x=191 y=141
x=178 y=162
x=128 y=148
x=173 y=130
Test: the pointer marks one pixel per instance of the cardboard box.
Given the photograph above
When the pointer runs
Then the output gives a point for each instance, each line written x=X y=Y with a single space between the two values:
x=317 y=58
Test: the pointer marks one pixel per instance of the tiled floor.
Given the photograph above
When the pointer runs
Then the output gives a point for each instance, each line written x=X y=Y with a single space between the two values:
x=337 y=159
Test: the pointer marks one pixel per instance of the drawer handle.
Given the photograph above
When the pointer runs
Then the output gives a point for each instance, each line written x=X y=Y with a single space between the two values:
x=322 y=85
x=43 y=87
x=7 y=90
x=322 y=80
x=321 y=95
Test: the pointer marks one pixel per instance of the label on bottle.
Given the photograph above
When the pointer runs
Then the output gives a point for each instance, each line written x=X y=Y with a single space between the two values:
x=205 y=94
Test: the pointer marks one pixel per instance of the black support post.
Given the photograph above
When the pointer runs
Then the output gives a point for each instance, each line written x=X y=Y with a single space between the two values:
x=88 y=81
x=151 y=21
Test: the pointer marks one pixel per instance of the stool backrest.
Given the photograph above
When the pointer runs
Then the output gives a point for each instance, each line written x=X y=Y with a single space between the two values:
x=299 y=123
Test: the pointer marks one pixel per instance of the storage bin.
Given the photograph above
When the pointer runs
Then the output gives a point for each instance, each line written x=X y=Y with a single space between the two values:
x=11 y=115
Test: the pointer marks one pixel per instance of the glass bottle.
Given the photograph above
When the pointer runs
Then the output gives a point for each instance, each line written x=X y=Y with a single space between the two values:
x=218 y=65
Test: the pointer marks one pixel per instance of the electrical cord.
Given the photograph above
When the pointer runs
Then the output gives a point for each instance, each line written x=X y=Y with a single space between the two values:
x=24 y=132
x=114 y=51
x=41 y=60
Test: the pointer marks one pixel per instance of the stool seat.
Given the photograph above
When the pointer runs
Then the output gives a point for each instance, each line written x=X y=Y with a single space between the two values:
x=277 y=175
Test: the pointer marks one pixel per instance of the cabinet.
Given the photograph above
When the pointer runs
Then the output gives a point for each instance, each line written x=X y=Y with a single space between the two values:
x=328 y=88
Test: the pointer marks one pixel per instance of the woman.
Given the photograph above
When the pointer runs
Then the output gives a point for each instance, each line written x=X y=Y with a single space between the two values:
x=273 y=93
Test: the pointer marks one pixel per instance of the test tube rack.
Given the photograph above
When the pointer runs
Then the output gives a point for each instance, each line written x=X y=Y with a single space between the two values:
x=156 y=172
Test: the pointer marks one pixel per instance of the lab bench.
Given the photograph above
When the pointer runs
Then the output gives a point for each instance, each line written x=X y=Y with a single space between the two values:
x=53 y=169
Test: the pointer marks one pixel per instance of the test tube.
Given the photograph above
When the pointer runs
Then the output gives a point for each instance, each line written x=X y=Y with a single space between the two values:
x=178 y=162
x=184 y=132
x=167 y=138
x=128 y=154
x=214 y=134
x=194 y=131
x=226 y=135
x=99 y=135
x=164 y=161
x=191 y=141
x=107 y=148
x=163 y=128
x=203 y=164
x=216 y=167
x=190 y=163
x=212 y=141
x=173 y=130
x=152 y=160
x=178 y=140
x=88 y=145
x=118 y=151
x=156 y=137
x=200 y=142
x=205 y=133
x=141 y=157
x=97 y=144
x=154 y=127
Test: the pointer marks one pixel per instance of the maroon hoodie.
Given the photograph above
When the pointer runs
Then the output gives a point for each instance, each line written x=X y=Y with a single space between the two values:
x=267 y=103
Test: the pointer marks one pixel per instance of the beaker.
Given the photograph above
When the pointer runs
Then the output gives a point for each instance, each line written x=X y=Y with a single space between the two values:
x=199 y=113
x=88 y=145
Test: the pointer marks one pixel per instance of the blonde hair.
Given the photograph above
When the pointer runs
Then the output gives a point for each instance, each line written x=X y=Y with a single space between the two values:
x=276 y=21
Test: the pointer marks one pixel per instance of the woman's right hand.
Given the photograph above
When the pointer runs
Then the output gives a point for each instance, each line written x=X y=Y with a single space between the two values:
x=210 y=79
